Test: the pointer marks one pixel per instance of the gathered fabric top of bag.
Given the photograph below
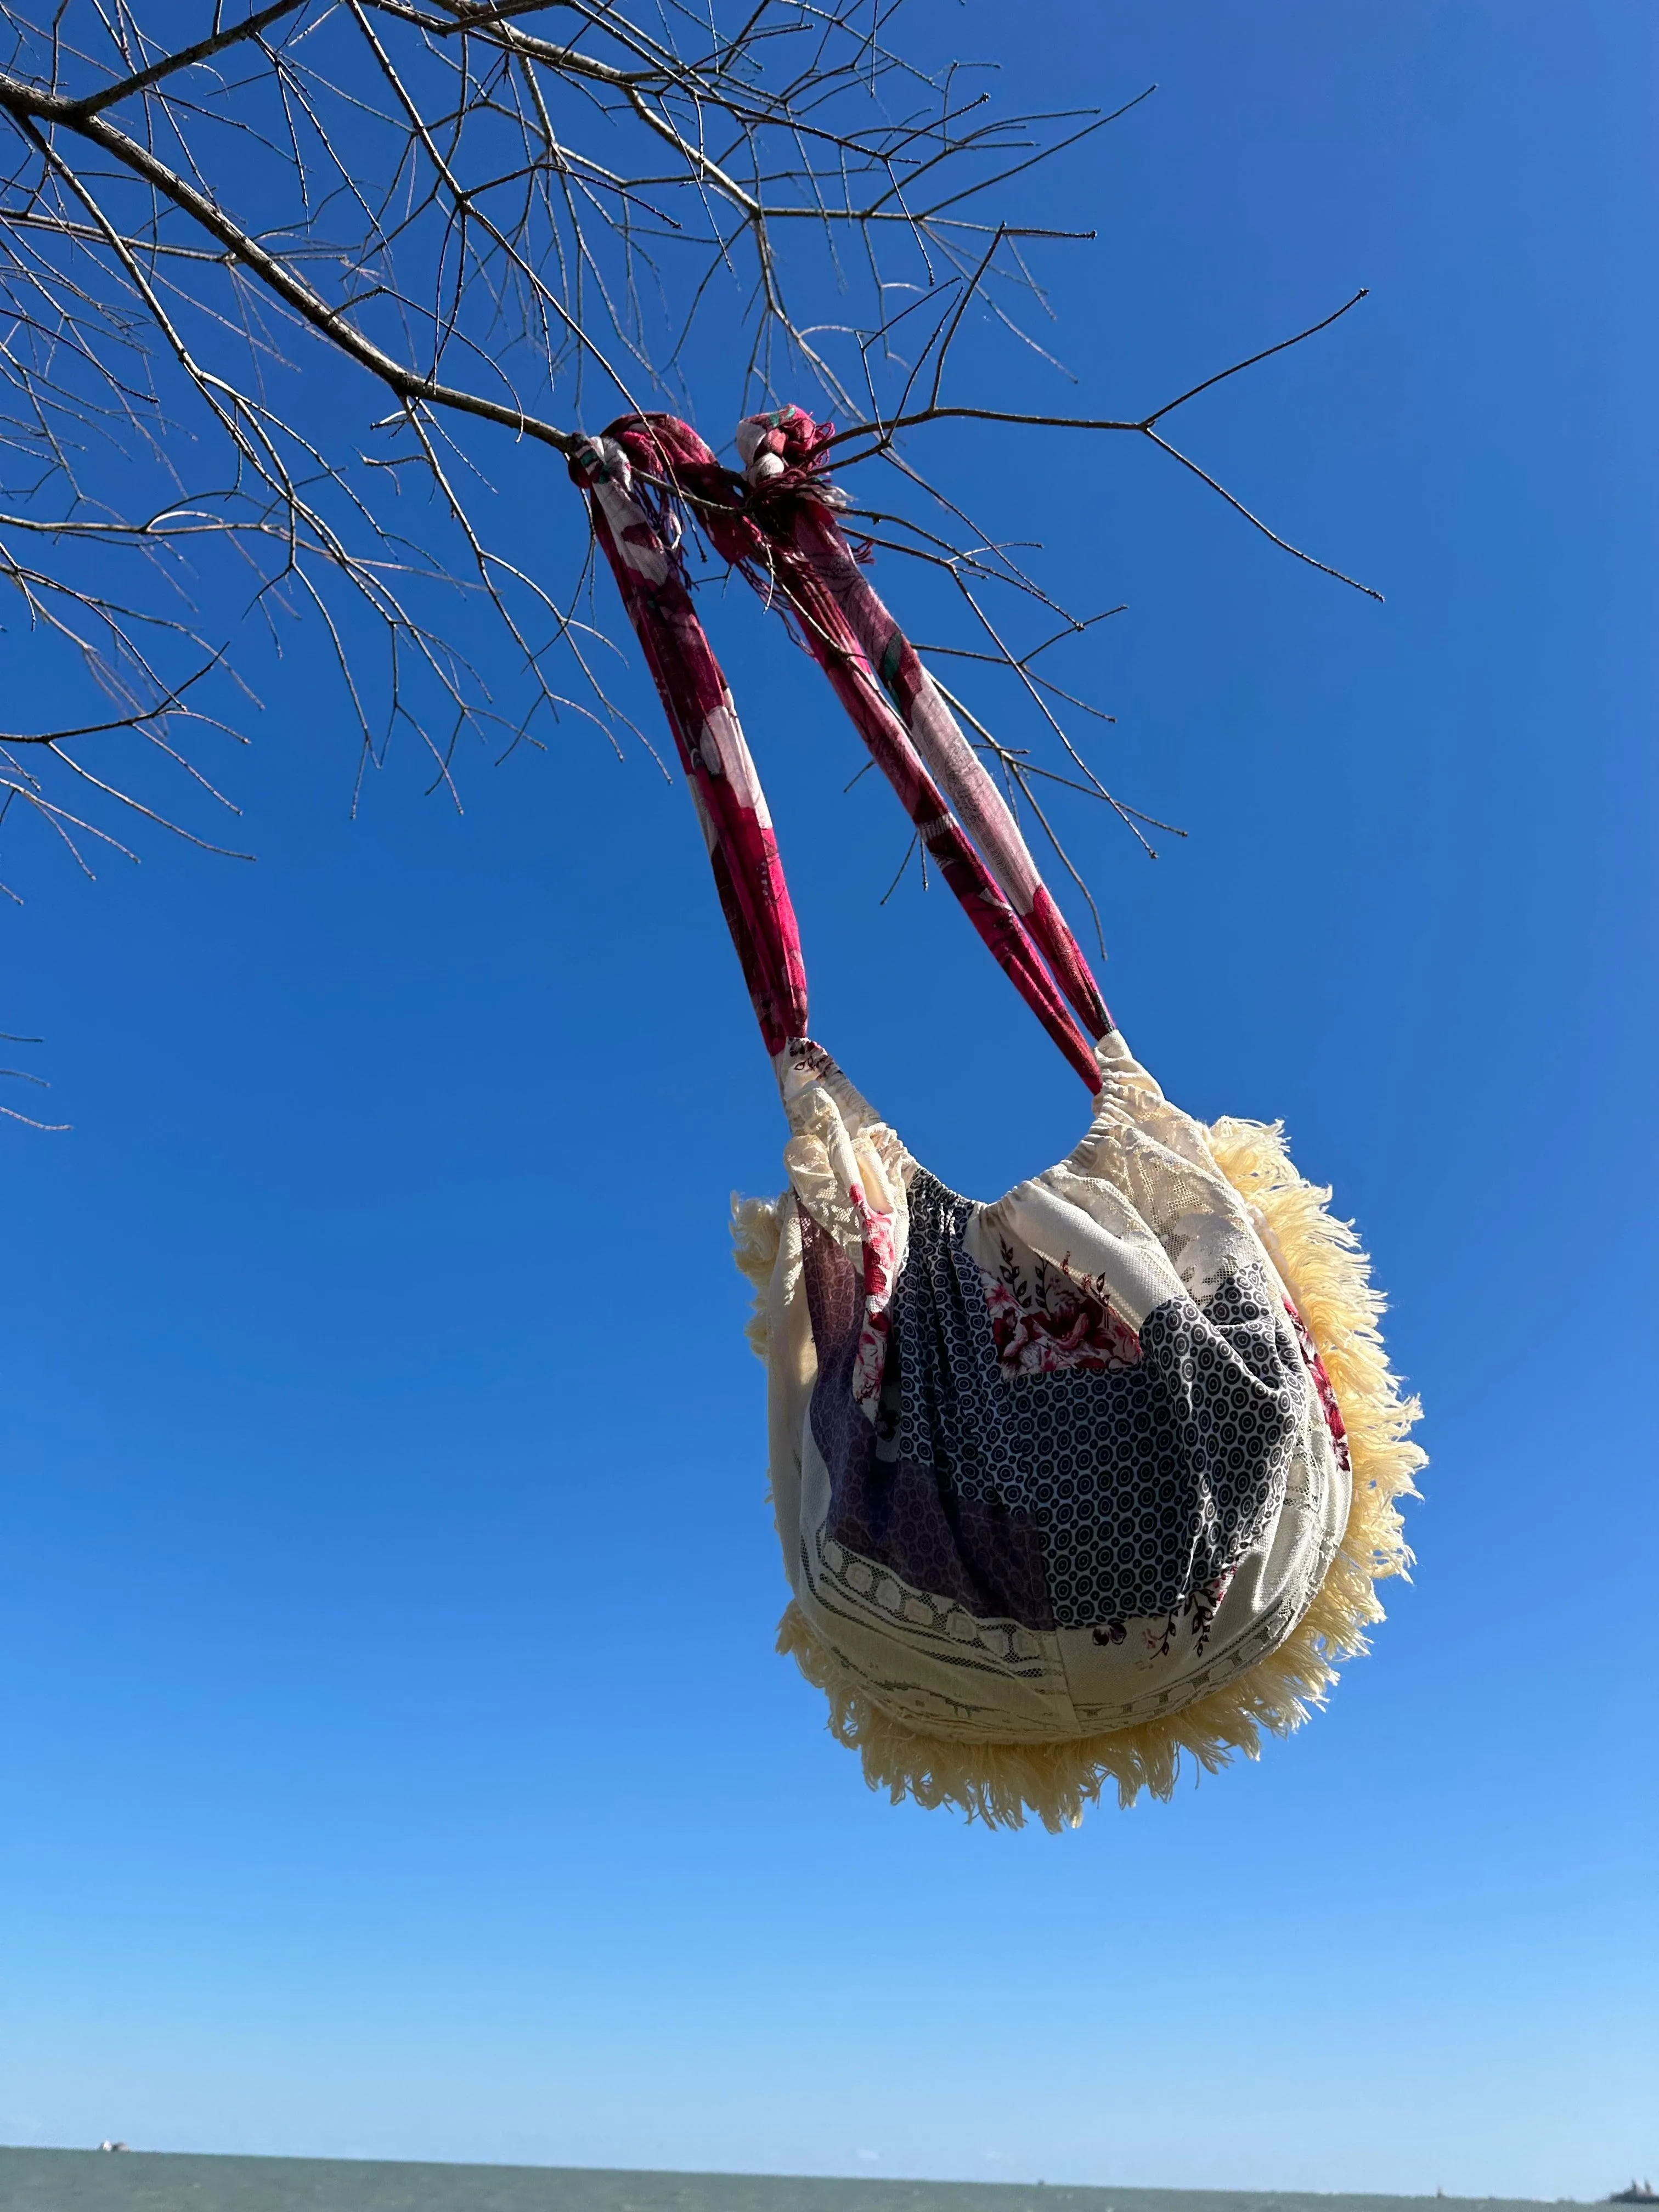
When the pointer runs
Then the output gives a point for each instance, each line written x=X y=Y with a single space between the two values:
x=1069 y=1484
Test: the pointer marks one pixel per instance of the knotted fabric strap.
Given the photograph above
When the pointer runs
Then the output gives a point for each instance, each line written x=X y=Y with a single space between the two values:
x=639 y=536
x=783 y=455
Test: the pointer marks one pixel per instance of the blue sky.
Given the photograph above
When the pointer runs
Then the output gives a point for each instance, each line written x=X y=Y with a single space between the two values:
x=394 y=1757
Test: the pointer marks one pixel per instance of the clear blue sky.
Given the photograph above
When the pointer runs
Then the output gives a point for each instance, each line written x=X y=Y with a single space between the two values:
x=373 y=1359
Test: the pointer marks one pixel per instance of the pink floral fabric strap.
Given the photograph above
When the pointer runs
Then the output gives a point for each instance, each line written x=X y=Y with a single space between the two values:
x=639 y=536
x=782 y=455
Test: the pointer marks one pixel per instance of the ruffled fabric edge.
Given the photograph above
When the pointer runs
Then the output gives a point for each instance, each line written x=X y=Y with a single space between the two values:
x=1328 y=1276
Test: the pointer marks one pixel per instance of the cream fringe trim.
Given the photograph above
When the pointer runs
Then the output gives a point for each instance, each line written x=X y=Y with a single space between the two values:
x=756 y=1233
x=1330 y=1277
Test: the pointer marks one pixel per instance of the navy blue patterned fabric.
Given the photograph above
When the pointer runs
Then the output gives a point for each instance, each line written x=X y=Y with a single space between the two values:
x=1065 y=1500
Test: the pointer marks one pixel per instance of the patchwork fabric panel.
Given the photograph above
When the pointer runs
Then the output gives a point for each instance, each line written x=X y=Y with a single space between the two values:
x=1117 y=1475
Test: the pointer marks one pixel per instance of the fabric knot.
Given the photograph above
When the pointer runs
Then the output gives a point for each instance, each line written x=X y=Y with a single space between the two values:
x=669 y=455
x=784 y=451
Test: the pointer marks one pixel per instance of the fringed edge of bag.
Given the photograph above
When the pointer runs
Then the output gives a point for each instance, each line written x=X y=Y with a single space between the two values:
x=1328 y=1276
x=756 y=1232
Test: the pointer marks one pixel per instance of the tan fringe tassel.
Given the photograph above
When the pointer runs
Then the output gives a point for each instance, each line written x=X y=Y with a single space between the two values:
x=755 y=1229
x=1330 y=1277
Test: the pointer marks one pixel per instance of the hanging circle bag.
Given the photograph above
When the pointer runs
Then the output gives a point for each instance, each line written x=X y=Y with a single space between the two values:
x=1069 y=1483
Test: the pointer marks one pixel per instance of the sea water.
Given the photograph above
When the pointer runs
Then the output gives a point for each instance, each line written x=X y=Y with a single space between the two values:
x=164 y=2181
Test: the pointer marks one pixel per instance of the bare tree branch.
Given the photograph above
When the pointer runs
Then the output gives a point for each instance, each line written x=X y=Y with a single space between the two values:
x=513 y=216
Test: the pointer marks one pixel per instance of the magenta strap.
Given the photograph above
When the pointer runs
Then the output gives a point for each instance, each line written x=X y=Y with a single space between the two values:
x=640 y=541
x=783 y=455
x=836 y=649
